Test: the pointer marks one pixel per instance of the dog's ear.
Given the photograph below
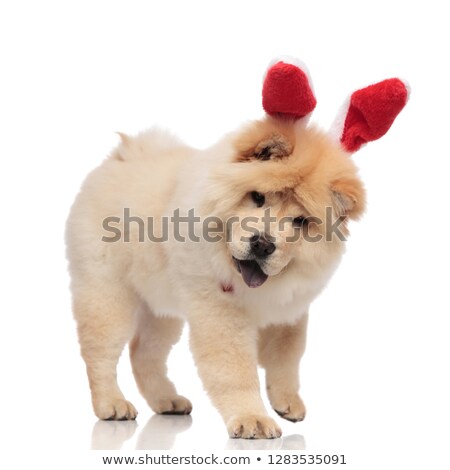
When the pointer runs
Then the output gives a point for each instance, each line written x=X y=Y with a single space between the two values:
x=348 y=197
x=273 y=147
x=369 y=113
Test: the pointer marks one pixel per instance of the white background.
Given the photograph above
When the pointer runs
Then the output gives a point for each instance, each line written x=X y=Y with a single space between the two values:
x=376 y=372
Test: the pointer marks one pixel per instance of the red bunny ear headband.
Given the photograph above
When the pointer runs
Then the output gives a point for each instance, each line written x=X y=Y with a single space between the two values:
x=365 y=116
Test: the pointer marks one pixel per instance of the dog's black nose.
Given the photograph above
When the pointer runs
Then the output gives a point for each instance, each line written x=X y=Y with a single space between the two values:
x=261 y=247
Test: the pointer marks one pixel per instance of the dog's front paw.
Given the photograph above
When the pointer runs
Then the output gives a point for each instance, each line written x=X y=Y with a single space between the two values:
x=114 y=409
x=253 y=427
x=289 y=406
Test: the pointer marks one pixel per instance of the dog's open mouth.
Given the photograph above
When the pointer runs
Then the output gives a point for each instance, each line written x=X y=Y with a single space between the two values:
x=251 y=272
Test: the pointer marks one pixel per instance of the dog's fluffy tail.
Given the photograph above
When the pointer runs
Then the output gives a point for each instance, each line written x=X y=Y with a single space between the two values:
x=147 y=144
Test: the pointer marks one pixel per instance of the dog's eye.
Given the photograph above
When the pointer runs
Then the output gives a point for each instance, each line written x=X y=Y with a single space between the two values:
x=300 y=221
x=258 y=198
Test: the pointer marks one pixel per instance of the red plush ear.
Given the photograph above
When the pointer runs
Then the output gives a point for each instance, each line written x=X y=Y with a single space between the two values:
x=287 y=90
x=370 y=112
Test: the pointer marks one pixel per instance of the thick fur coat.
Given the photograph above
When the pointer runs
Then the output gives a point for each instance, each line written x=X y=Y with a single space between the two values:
x=245 y=297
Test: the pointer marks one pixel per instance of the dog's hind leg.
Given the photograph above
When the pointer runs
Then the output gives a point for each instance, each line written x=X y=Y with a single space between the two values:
x=280 y=350
x=149 y=350
x=104 y=313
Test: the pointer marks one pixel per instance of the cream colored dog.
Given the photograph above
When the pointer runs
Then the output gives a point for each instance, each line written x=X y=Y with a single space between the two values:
x=160 y=234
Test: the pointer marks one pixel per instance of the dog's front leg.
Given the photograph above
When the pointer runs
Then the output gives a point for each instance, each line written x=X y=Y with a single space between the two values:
x=280 y=350
x=224 y=346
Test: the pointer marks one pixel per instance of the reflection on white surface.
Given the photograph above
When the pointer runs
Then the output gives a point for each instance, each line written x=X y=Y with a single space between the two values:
x=292 y=442
x=161 y=431
x=110 y=435
x=158 y=434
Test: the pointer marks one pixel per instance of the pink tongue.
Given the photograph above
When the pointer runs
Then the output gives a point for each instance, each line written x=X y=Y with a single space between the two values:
x=251 y=273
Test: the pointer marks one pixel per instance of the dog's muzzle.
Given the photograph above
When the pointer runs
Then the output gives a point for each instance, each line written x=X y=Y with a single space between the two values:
x=261 y=246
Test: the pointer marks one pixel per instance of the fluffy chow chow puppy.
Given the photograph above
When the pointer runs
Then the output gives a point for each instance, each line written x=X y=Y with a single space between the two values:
x=237 y=240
